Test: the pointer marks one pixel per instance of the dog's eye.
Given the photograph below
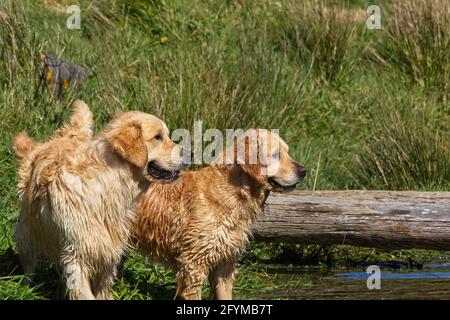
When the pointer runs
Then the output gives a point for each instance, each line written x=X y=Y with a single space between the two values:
x=158 y=137
x=276 y=154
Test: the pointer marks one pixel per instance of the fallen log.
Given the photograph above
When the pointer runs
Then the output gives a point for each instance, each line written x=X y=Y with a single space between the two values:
x=379 y=219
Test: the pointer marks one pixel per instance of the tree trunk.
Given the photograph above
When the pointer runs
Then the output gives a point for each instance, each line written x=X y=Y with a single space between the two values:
x=380 y=219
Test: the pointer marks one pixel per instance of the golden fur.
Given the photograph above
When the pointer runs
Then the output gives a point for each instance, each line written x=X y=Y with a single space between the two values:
x=199 y=224
x=77 y=191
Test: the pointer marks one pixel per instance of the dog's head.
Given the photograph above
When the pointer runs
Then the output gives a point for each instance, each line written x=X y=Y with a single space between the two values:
x=264 y=156
x=143 y=141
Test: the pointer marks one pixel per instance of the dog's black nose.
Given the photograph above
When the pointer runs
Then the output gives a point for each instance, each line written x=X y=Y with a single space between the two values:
x=301 y=171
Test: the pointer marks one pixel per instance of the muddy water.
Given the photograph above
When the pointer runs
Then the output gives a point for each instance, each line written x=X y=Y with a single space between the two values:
x=430 y=282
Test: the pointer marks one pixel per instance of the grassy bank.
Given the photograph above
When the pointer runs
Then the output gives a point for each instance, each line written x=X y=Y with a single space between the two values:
x=360 y=108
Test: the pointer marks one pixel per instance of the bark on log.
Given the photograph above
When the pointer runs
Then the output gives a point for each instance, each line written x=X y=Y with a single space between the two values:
x=379 y=219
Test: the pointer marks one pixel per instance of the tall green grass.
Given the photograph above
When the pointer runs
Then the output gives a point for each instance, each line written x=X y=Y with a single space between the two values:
x=406 y=152
x=417 y=39
x=317 y=35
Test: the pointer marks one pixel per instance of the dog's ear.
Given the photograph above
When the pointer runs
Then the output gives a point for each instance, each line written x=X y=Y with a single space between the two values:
x=255 y=171
x=247 y=155
x=128 y=142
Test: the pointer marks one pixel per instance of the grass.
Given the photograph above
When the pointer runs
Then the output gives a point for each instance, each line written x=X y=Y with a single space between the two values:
x=419 y=43
x=365 y=109
x=315 y=36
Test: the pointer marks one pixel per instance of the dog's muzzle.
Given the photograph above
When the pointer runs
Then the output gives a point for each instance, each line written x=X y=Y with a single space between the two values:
x=300 y=171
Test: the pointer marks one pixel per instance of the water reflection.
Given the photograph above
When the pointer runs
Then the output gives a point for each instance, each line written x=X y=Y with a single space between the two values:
x=430 y=282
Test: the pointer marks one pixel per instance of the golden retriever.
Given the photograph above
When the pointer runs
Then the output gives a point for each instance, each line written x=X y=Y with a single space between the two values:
x=77 y=191
x=200 y=224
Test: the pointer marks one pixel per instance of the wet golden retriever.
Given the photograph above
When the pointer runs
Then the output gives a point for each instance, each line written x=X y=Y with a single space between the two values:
x=76 y=192
x=199 y=224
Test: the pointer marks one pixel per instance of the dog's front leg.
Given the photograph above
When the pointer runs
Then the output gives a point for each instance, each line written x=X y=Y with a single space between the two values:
x=102 y=283
x=221 y=281
x=189 y=283
x=77 y=282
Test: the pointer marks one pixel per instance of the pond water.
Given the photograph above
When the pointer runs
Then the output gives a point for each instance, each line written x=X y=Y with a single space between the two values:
x=430 y=282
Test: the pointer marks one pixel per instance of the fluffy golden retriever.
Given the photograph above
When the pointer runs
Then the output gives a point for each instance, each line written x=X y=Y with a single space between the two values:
x=77 y=191
x=200 y=224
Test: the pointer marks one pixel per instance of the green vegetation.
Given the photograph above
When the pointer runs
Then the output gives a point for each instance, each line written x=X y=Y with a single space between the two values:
x=360 y=108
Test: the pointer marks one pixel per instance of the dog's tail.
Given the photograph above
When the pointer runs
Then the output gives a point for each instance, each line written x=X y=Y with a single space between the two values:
x=82 y=118
x=23 y=145
x=80 y=122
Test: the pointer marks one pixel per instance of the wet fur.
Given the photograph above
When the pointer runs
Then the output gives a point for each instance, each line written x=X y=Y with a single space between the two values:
x=76 y=195
x=200 y=224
